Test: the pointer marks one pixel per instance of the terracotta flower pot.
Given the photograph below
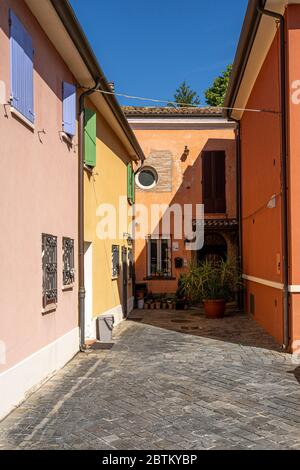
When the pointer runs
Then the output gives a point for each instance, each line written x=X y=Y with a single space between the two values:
x=214 y=308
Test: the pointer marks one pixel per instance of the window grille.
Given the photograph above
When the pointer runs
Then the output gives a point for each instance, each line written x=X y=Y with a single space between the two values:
x=49 y=263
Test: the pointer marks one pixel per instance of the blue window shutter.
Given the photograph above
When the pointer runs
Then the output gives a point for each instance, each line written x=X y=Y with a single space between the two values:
x=21 y=70
x=69 y=108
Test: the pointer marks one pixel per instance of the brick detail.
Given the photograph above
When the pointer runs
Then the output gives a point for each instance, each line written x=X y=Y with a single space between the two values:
x=162 y=162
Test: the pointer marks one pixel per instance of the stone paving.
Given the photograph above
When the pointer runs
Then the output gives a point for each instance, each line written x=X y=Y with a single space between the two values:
x=173 y=380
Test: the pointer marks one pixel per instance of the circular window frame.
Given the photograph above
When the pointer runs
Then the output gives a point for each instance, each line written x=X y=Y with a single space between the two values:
x=154 y=173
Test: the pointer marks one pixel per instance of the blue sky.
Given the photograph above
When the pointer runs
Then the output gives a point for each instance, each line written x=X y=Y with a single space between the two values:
x=148 y=47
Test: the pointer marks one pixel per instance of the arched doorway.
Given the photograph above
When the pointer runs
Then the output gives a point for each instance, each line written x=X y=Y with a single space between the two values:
x=214 y=248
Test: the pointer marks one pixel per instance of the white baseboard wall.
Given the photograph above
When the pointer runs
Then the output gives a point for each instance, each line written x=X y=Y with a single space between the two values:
x=23 y=378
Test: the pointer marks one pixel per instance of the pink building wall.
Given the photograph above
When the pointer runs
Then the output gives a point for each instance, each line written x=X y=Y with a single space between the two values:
x=38 y=184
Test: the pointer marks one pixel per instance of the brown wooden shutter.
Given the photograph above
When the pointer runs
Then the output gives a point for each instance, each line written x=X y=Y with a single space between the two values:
x=213 y=182
x=219 y=182
x=207 y=187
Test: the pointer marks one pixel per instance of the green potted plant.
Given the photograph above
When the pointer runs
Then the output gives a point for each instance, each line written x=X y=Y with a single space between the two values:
x=158 y=303
x=212 y=282
x=164 y=302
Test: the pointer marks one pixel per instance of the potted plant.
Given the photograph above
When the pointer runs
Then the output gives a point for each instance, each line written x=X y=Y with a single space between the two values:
x=212 y=282
x=164 y=302
x=158 y=304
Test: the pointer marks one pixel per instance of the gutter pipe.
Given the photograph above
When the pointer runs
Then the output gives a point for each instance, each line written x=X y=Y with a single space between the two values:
x=284 y=184
x=239 y=205
x=81 y=291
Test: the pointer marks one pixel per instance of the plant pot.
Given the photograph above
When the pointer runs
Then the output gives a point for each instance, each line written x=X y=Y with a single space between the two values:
x=180 y=305
x=146 y=306
x=152 y=306
x=164 y=305
x=140 y=304
x=214 y=308
x=157 y=305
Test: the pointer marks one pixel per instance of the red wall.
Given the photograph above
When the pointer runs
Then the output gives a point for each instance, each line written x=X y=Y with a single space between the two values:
x=260 y=142
x=261 y=159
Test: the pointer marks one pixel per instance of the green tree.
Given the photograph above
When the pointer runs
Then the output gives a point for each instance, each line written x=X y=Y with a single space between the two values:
x=185 y=96
x=215 y=95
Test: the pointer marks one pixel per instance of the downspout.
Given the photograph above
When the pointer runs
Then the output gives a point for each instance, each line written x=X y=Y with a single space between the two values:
x=239 y=205
x=81 y=291
x=284 y=184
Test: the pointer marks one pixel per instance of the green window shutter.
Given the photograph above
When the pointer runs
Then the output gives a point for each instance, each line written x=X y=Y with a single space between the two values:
x=129 y=183
x=132 y=187
x=90 y=137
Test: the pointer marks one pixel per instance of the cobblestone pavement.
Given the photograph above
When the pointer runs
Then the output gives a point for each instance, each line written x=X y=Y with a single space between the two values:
x=172 y=380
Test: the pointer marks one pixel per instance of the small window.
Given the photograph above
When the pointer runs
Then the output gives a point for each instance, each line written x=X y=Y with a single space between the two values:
x=49 y=264
x=68 y=262
x=130 y=263
x=159 y=263
x=146 y=178
x=115 y=255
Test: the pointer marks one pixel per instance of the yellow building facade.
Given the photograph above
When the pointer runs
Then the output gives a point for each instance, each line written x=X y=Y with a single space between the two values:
x=109 y=200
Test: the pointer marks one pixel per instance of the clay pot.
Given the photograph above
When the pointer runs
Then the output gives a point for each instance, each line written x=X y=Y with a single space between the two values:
x=214 y=308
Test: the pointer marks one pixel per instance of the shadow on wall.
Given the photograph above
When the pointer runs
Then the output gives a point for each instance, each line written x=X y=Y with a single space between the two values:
x=189 y=191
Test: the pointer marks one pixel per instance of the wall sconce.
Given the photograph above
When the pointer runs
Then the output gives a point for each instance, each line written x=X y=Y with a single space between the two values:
x=185 y=154
x=272 y=202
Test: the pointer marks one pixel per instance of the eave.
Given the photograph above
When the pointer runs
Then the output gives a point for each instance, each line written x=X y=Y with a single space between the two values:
x=60 y=24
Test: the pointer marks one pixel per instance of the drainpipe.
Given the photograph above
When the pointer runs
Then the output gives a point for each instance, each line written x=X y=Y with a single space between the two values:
x=284 y=184
x=239 y=205
x=81 y=292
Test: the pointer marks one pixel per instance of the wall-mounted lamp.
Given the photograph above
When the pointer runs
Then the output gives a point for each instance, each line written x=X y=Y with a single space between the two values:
x=272 y=202
x=185 y=154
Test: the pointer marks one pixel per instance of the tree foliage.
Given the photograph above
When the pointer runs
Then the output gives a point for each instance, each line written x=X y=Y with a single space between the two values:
x=215 y=95
x=185 y=96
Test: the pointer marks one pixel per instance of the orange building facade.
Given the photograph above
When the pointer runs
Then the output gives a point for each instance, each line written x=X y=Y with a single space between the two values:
x=180 y=144
x=269 y=146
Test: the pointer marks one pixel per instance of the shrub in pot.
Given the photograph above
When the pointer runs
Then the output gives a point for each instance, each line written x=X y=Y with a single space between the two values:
x=212 y=282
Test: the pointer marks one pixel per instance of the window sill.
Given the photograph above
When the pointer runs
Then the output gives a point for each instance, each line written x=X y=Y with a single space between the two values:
x=169 y=278
x=22 y=118
x=88 y=169
x=67 y=138
x=68 y=287
x=49 y=308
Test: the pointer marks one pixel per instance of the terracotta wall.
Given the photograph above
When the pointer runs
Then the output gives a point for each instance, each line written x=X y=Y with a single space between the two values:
x=261 y=160
x=293 y=41
x=38 y=184
x=261 y=150
x=186 y=185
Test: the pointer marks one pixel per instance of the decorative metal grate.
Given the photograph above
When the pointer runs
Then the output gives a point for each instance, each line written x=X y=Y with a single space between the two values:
x=68 y=261
x=115 y=255
x=49 y=263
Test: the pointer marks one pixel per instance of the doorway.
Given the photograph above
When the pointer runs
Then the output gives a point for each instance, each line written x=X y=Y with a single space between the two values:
x=214 y=248
x=124 y=281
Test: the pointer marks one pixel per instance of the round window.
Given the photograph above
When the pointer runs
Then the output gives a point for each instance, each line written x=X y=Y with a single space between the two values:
x=146 y=178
